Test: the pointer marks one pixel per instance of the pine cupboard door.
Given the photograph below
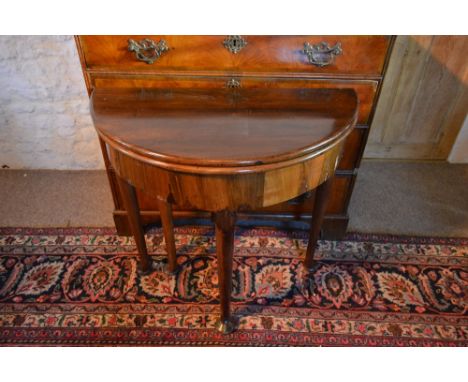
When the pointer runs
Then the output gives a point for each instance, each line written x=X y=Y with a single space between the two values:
x=424 y=99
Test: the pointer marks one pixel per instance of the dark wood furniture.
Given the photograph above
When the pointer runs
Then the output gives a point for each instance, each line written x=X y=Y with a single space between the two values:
x=224 y=152
x=245 y=62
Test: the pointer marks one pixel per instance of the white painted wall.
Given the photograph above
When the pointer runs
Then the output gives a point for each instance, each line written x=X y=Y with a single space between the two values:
x=44 y=113
x=459 y=153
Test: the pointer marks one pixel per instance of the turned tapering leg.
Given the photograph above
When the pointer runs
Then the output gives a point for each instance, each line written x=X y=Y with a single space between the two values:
x=165 y=210
x=322 y=194
x=225 y=224
x=133 y=212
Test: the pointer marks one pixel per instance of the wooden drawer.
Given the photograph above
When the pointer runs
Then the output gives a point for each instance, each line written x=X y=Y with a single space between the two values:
x=365 y=89
x=361 y=55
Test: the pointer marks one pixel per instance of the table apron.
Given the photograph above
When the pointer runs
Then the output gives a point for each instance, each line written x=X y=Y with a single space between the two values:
x=217 y=192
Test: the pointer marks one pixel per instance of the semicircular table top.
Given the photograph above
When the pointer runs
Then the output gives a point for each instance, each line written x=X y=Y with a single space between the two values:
x=223 y=127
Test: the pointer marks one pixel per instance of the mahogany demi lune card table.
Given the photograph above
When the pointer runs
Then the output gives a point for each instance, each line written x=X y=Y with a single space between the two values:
x=224 y=152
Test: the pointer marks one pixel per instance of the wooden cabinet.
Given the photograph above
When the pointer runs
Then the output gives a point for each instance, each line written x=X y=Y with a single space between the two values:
x=231 y=62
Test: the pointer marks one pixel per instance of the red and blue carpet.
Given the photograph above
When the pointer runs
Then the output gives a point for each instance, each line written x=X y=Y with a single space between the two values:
x=80 y=287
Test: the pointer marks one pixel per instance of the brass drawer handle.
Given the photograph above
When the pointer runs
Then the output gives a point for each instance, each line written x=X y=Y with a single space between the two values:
x=233 y=83
x=147 y=50
x=322 y=54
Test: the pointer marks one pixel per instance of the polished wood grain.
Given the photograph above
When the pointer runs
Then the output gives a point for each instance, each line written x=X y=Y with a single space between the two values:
x=193 y=127
x=365 y=89
x=282 y=211
x=363 y=55
x=269 y=146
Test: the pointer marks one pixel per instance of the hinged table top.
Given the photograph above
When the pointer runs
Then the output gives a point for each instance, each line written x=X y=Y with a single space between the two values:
x=223 y=127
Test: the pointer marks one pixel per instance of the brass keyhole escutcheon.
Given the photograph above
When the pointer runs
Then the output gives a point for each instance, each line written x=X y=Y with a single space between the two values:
x=234 y=43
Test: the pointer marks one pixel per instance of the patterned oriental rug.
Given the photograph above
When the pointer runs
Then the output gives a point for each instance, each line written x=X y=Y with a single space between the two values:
x=80 y=286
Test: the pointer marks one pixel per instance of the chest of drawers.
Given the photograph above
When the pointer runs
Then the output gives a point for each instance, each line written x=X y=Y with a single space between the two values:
x=142 y=62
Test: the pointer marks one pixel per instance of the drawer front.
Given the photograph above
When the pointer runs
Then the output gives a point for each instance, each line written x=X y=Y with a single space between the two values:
x=365 y=89
x=339 y=55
